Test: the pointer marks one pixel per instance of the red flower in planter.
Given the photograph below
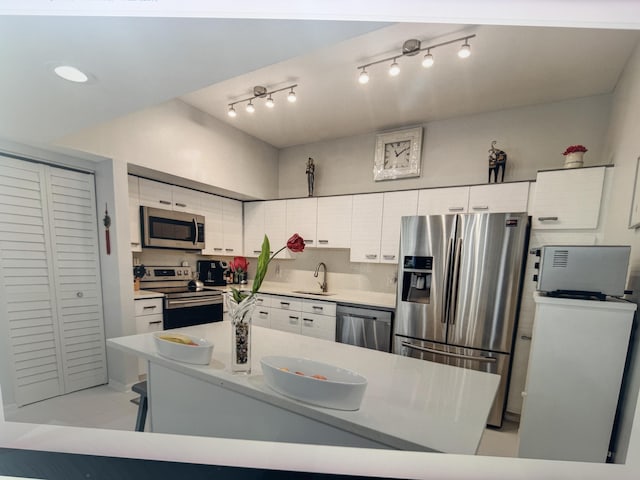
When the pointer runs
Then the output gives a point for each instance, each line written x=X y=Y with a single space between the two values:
x=239 y=264
x=574 y=149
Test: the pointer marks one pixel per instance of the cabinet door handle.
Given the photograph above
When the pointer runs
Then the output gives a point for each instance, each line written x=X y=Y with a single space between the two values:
x=183 y=205
x=263 y=313
x=389 y=257
x=525 y=337
x=308 y=319
x=257 y=251
x=217 y=249
x=308 y=241
x=481 y=207
x=149 y=307
x=456 y=209
x=228 y=249
x=259 y=300
x=285 y=303
x=544 y=219
x=164 y=202
x=315 y=307
x=157 y=322
x=323 y=241
x=291 y=317
x=371 y=256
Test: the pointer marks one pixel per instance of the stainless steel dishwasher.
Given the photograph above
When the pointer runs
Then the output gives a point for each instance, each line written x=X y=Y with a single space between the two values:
x=364 y=327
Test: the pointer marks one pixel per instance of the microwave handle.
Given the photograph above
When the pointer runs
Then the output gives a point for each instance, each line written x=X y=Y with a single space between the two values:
x=195 y=226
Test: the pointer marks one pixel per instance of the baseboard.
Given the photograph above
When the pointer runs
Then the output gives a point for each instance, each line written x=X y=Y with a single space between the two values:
x=8 y=411
x=120 y=387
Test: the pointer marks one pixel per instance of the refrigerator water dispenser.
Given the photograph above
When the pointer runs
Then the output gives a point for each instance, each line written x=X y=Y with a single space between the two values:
x=417 y=279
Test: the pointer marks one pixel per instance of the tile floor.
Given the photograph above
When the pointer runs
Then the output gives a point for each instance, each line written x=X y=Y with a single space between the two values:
x=104 y=407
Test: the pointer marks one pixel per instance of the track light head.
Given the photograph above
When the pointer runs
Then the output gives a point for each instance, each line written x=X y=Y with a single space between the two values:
x=250 y=108
x=465 y=50
x=394 y=69
x=292 y=96
x=363 y=77
x=269 y=103
x=232 y=112
x=427 y=61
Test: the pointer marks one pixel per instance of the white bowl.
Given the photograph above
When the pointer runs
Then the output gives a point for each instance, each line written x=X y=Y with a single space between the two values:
x=342 y=389
x=199 y=354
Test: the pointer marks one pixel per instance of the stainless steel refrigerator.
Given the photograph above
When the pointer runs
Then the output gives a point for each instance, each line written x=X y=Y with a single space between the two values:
x=459 y=285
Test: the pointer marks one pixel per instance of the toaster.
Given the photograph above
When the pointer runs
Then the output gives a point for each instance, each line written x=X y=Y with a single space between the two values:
x=582 y=270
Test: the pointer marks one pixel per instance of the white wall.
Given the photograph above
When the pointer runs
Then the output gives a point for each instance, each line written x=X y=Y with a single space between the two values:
x=623 y=146
x=455 y=151
x=180 y=140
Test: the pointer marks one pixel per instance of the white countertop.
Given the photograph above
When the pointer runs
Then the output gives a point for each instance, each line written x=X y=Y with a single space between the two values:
x=357 y=297
x=409 y=403
x=141 y=294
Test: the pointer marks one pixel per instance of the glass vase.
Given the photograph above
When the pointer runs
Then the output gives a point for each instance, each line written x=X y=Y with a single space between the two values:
x=240 y=315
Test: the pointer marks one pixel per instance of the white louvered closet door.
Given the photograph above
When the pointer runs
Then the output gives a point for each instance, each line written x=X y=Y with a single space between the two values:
x=73 y=224
x=48 y=255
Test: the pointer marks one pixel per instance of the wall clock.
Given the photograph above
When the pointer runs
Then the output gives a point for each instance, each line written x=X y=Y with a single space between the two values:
x=398 y=154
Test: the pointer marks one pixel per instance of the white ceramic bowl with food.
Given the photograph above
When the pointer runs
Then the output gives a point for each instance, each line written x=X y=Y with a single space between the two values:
x=314 y=382
x=183 y=348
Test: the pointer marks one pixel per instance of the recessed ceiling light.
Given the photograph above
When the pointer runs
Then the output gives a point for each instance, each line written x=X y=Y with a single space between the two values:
x=71 y=74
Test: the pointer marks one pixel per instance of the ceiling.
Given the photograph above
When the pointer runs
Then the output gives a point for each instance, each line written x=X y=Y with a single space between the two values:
x=140 y=62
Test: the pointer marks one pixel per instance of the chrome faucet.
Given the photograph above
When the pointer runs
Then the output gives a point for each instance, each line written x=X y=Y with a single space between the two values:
x=323 y=285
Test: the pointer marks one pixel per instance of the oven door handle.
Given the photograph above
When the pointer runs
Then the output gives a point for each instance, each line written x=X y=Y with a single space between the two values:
x=192 y=302
x=454 y=355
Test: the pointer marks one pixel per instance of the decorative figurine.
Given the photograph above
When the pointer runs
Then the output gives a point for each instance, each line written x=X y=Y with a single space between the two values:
x=497 y=162
x=310 y=175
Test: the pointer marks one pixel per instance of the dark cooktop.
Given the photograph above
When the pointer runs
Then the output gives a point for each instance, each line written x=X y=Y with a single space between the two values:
x=185 y=292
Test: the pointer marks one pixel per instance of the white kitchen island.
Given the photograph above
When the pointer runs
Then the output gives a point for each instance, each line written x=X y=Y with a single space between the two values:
x=409 y=404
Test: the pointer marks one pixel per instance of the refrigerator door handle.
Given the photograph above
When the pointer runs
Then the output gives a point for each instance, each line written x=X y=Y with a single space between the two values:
x=453 y=298
x=447 y=284
x=454 y=355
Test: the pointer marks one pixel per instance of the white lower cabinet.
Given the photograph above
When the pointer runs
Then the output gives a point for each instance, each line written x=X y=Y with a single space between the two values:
x=148 y=319
x=296 y=315
x=576 y=362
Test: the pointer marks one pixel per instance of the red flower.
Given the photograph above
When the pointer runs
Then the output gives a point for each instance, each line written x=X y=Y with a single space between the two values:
x=574 y=149
x=239 y=264
x=295 y=243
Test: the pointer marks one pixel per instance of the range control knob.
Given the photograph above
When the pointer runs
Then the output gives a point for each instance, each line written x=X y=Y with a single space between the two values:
x=535 y=278
x=180 y=273
x=536 y=265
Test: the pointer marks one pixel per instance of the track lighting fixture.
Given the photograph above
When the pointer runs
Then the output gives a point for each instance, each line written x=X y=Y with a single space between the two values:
x=364 y=77
x=394 y=69
x=261 y=92
x=465 y=50
x=413 y=47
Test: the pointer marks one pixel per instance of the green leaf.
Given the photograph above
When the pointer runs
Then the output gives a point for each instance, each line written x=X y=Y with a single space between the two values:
x=263 y=265
x=238 y=296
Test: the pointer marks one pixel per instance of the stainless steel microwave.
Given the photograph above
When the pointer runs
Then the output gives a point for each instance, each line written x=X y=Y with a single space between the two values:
x=170 y=229
x=581 y=270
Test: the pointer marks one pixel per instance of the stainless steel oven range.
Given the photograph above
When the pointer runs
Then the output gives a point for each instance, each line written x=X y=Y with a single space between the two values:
x=184 y=304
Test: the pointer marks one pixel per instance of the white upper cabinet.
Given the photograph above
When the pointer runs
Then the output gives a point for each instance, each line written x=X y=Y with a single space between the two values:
x=168 y=197
x=396 y=205
x=253 y=228
x=211 y=208
x=275 y=224
x=134 y=214
x=366 y=227
x=334 y=221
x=302 y=216
x=155 y=194
x=232 y=226
x=438 y=201
x=186 y=200
x=499 y=197
x=568 y=199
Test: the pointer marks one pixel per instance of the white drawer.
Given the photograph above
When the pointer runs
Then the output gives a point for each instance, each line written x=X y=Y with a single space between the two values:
x=261 y=316
x=285 y=320
x=148 y=306
x=149 y=323
x=321 y=308
x=263 y=300
x=286 y=303
x=318 y=326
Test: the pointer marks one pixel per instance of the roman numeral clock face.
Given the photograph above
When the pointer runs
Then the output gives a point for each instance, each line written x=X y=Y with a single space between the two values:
x=397 y=154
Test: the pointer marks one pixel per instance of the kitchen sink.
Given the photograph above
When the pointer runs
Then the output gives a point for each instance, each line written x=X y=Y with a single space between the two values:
x=309 y=292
